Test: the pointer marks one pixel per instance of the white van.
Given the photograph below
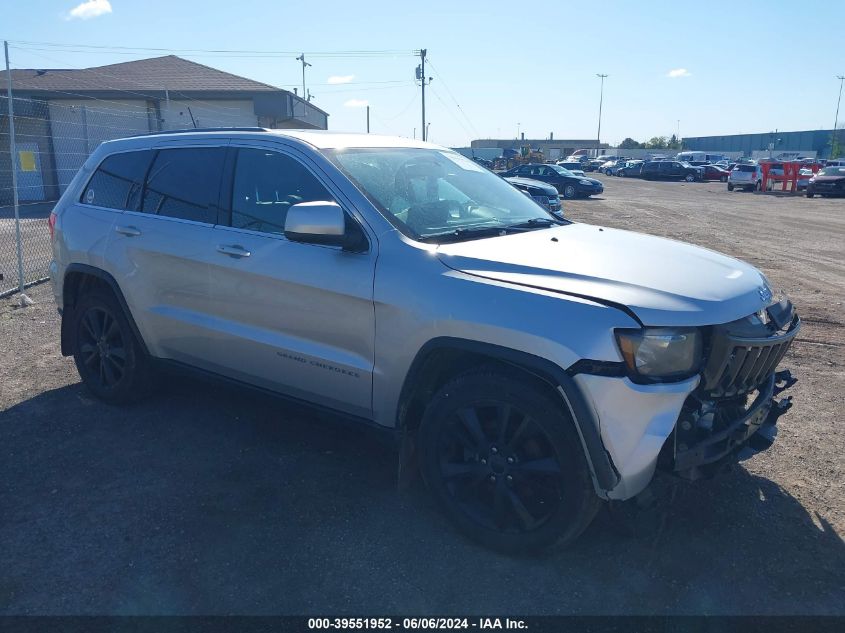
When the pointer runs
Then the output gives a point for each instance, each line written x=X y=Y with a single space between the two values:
x=700 y=157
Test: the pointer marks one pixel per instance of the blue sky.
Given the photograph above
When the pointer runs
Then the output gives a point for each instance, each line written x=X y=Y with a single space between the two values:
x=747 y=66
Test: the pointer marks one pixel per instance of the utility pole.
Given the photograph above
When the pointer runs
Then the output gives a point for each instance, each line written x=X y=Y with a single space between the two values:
x=601 y=99
x=301 y=58
x=834 y=145
x=24 y=300
x=368 y=119
x=423 y=80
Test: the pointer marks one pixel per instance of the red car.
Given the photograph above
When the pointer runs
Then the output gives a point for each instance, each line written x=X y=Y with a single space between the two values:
x=714 y=172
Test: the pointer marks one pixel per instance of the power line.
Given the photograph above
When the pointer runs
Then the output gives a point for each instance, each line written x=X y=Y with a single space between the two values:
x=449 y=92
x=269 y=53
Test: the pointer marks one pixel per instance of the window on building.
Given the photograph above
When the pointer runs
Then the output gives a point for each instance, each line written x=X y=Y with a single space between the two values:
x=117 y=182
x=185 y=183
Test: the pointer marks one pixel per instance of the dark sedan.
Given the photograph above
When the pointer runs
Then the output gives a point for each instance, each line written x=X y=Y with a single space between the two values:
x=829 y=181
x=633 y=169
x=543 y=194
x=567 y=183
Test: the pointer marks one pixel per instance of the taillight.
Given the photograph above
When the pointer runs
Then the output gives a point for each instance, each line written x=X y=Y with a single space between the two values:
x=51 y=222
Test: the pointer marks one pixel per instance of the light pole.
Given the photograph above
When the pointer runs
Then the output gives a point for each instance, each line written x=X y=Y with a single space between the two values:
x=601 y=99
x=834 y=145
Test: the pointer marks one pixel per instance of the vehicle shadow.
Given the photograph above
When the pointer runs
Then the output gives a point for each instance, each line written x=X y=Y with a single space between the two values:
x=207 y=499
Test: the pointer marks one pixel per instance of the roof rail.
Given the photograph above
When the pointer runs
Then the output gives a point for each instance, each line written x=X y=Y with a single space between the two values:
x=205 y=129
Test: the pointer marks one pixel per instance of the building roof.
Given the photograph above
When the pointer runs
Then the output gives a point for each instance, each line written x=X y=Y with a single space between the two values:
x=156 y=74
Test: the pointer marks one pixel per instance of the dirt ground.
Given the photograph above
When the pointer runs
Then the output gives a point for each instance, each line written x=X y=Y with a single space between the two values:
x=210 y=500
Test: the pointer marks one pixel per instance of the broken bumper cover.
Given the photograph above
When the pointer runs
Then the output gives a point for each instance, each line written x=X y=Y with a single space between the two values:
x=746 y=436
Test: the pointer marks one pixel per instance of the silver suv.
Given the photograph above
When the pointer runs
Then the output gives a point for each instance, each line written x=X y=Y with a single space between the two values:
x=531 y=367
x=746 y=176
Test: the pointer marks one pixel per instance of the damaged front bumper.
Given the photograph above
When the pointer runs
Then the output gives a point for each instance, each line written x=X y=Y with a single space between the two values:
x=754 y=431
x=692 y=427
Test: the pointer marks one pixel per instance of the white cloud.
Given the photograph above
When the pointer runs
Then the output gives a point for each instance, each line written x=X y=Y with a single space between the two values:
x=356 y=103
x=678 y=72
x=340 y=79
x=89 y=9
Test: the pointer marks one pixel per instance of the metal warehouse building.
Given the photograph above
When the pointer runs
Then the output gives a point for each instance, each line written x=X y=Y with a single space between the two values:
x=62 y=115
x=818 y=141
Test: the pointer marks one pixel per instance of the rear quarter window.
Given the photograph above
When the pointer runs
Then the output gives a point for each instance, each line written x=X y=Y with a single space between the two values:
x=116 y=184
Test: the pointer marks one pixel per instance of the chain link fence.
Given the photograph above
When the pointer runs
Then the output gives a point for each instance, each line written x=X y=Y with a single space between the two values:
x=53 y=138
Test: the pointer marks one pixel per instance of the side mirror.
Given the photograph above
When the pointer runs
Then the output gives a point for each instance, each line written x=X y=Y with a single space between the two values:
x=321 y=222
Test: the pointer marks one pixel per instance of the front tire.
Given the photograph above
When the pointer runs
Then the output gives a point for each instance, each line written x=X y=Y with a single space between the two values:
x=608 y=172
x=730 y=187
x=504 y=461
x=809 y=193
x=724 y=179
x=689 y=178
x=108 y=357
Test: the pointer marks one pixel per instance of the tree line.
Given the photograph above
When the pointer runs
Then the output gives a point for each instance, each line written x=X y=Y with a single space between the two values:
x=655 y=142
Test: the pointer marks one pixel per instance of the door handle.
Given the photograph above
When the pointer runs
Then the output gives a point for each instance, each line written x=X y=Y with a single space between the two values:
x=233 y=251
x=128 y=231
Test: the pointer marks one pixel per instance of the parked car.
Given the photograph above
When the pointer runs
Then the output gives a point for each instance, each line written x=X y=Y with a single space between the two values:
x=567 y=183
x=521 y=360
x=483 y=162
x=746 y=176
x=714 y=172
x=611 y=167
x=804 y=177
x=542 y=193
x=570 y=165
x=577 y=158
x=671 y=170
x=829 y=181
x=633 y=169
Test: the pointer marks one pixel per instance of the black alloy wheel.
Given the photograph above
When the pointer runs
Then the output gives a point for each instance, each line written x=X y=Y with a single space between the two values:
x=102 y=347
x=107 y=354
x=505 y=462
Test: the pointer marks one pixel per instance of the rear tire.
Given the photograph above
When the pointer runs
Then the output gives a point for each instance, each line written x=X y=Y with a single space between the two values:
x=730 y=187
x=607 y=172
x=107 y=354
x=724 y=179
x=689 y=178
x=809 y=194
x=505 y=463
x=569 y=192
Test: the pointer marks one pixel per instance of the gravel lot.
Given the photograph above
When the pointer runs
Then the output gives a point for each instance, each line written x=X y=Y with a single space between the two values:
x=209 y=500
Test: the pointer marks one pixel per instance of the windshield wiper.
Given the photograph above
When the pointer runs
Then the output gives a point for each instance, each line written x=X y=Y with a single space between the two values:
x=534 y=223
x=466 y=232
x=473 y=232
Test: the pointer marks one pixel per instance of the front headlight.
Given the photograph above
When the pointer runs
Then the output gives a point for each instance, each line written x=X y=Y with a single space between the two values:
x=661 y=353
x=585 y=182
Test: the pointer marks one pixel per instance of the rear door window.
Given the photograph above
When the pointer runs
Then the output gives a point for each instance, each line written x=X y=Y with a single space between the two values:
x=117 y=182
x=185 y=183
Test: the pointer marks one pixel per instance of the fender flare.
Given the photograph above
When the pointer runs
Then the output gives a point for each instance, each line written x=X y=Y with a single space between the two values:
x=603 y=472
x=111 y=282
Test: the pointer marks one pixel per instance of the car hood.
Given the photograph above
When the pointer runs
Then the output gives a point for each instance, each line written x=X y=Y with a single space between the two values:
x=663 y=282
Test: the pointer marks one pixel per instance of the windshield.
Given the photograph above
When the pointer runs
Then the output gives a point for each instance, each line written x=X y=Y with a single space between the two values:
x=429 y=193
x=832 y=171
x=562 y=170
